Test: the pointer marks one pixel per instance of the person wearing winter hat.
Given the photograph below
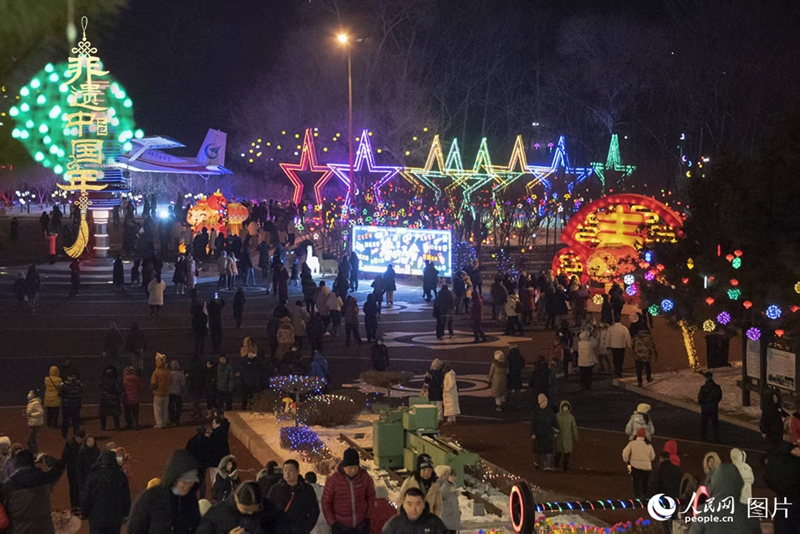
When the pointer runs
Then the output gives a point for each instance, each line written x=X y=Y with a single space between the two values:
x=639 y=456
x=451 y=513
x=160 y=381
x=424 y=478
x=349 y=496
x=35 y=414
x=498 y=378
x=640 y=419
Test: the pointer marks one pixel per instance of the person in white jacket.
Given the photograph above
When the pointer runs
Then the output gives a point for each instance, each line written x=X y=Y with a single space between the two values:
x=587 y=356
x=639 y=456
x=640 y=419
x=450 y=396
x=619 y=339
x=739 y=459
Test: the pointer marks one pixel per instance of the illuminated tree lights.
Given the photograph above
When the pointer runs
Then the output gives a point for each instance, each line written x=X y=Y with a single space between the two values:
x=724 y=318
x=753 y=333
x=667 y=305
x=773 y=312
x=41 y=114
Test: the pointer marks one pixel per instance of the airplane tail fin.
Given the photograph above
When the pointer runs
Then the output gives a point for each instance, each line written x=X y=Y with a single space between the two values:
x=212 y=151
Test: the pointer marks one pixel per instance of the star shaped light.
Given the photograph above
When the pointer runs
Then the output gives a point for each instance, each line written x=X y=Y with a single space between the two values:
x=613 y=163
x=541 y=173
x=507 y=175
x=308 y=162
x=364 y=153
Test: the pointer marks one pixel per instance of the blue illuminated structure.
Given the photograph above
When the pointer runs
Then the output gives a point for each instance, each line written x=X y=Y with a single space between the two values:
x=365 y=154
x=560 y=162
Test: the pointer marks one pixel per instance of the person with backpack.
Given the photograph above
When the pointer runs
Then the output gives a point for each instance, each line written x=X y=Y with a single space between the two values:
x=709 y=397
x=640 y=419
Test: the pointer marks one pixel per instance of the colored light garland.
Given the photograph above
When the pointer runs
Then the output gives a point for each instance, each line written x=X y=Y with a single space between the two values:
x=560 y=163
x=773 y=312
x=667 y=305
x=305 y=441
x=753 y=333
x=724 y=318
x=297 y=384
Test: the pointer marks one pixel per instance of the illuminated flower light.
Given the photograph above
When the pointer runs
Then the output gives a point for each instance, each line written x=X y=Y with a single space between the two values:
x=779 y=332
x=734 y=294
x=653 y=310
x=631 y=290
x=753 y=333
x=629 y=279
x=709 y=325
x=597 y=299
x=724 y=318
x=648 y=256
x=734 y=282
x=730 y=257
x=667 y=305
x=736 y=263
x=795 y=309
x=738 y=253
x=773 y=311
x=649 y=276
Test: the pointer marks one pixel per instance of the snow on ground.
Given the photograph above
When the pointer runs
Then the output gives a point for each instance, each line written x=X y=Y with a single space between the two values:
x=684 y=384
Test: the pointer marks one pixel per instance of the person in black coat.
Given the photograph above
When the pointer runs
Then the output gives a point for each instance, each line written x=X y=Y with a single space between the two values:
x=666 y=480
x=389 y=285
x=414 y=516
x=119 y=272
x=606 y=312
x=293 y=503
x=243 y=509
x=87 y=457
x=771 y=424
x=434 y=380
x=354 y=268
x=380 y=355
x=171 y=506
x=268 y=477
x=430 y=279
x=106 y=496
x=516 y=363
x=70 y=402
x=110 y=391
x=199 y=446
x=539 y=382
x=782 y=475
x=708 y=398
x=219 y=442
x=69 y=456
x=543 y=429
x=26 y=494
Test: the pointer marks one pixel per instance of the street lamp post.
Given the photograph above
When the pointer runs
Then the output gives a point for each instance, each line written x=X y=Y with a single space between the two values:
x=344 y=39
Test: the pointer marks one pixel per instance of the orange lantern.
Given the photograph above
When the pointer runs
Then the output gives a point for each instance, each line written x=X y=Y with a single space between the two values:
x=729 y=257
x=779 y=332
x=794 y=309
x=237 y=214
x=738 y=253
x=217 y=201
x=747 y=304
x=685 y=281
x=734 y=282
x=709 y=300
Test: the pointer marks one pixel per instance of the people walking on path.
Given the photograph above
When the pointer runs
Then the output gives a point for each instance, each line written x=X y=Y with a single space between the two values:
x=513 y=309
x=110 y=393
x=294 y=502
x=430 y=279
x=389 y=285
x=351 y=321
x=476 y=314
x=155 y=296
x=443 y=308
x=370 y=310
x=587 y=357
x=177 y=389
x=666 y=480
x=499 y=297
x=709 y=397
x=644 y=348
x=379 y=354
x=516 y=365
x=498 y=378
x=434 y=384
x=415 y=516
x=638 y=454
x=214 y=312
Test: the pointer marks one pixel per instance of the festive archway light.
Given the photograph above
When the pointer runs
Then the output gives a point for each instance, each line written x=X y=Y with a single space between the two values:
x=364 y=154
x=773 y=311
x=40 y=116
x=724 y=318
x=560 y=161
x=709 y=325
x=629 y=279
x=308 y=162
x=653 y=310
x=753 y=333
x=667 y=305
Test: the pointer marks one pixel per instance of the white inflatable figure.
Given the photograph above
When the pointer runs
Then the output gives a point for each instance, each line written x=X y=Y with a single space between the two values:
x=312 y=261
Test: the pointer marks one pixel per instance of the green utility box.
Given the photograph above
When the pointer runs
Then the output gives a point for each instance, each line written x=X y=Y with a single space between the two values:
x=421 y=418
x=440 y=451
x=387 y=440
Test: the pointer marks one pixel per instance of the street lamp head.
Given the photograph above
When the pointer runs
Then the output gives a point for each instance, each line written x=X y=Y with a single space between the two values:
x=343 y=38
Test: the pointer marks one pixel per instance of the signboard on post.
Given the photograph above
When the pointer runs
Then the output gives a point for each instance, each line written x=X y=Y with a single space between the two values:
x=753 y=359
x=781 y=369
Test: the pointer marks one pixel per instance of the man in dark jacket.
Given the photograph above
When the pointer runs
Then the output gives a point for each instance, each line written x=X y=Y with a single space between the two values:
x=349 y=497
x=543 y=429
x=106 y=496
x=708 y=398
x=414 y=517
x=430 y=278
x=220 y=428
x=355 y=265
x=666 y=480
x=443 y=311
x=199 y=446
x=771 y=423
x=70 y=458
x=171 y=506
x=499 y=298
x=27 y=494
x=268 y=477
x=294 y=508
x=71 y=404
x=241 y=510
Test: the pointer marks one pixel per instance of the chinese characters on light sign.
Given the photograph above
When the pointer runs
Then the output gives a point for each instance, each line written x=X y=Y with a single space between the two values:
x=407 y=250
x=88 y=91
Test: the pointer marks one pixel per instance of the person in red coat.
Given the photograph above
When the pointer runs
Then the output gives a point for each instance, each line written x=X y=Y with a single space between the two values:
x=349 y=497
x=382 y=511
x=130 y=399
